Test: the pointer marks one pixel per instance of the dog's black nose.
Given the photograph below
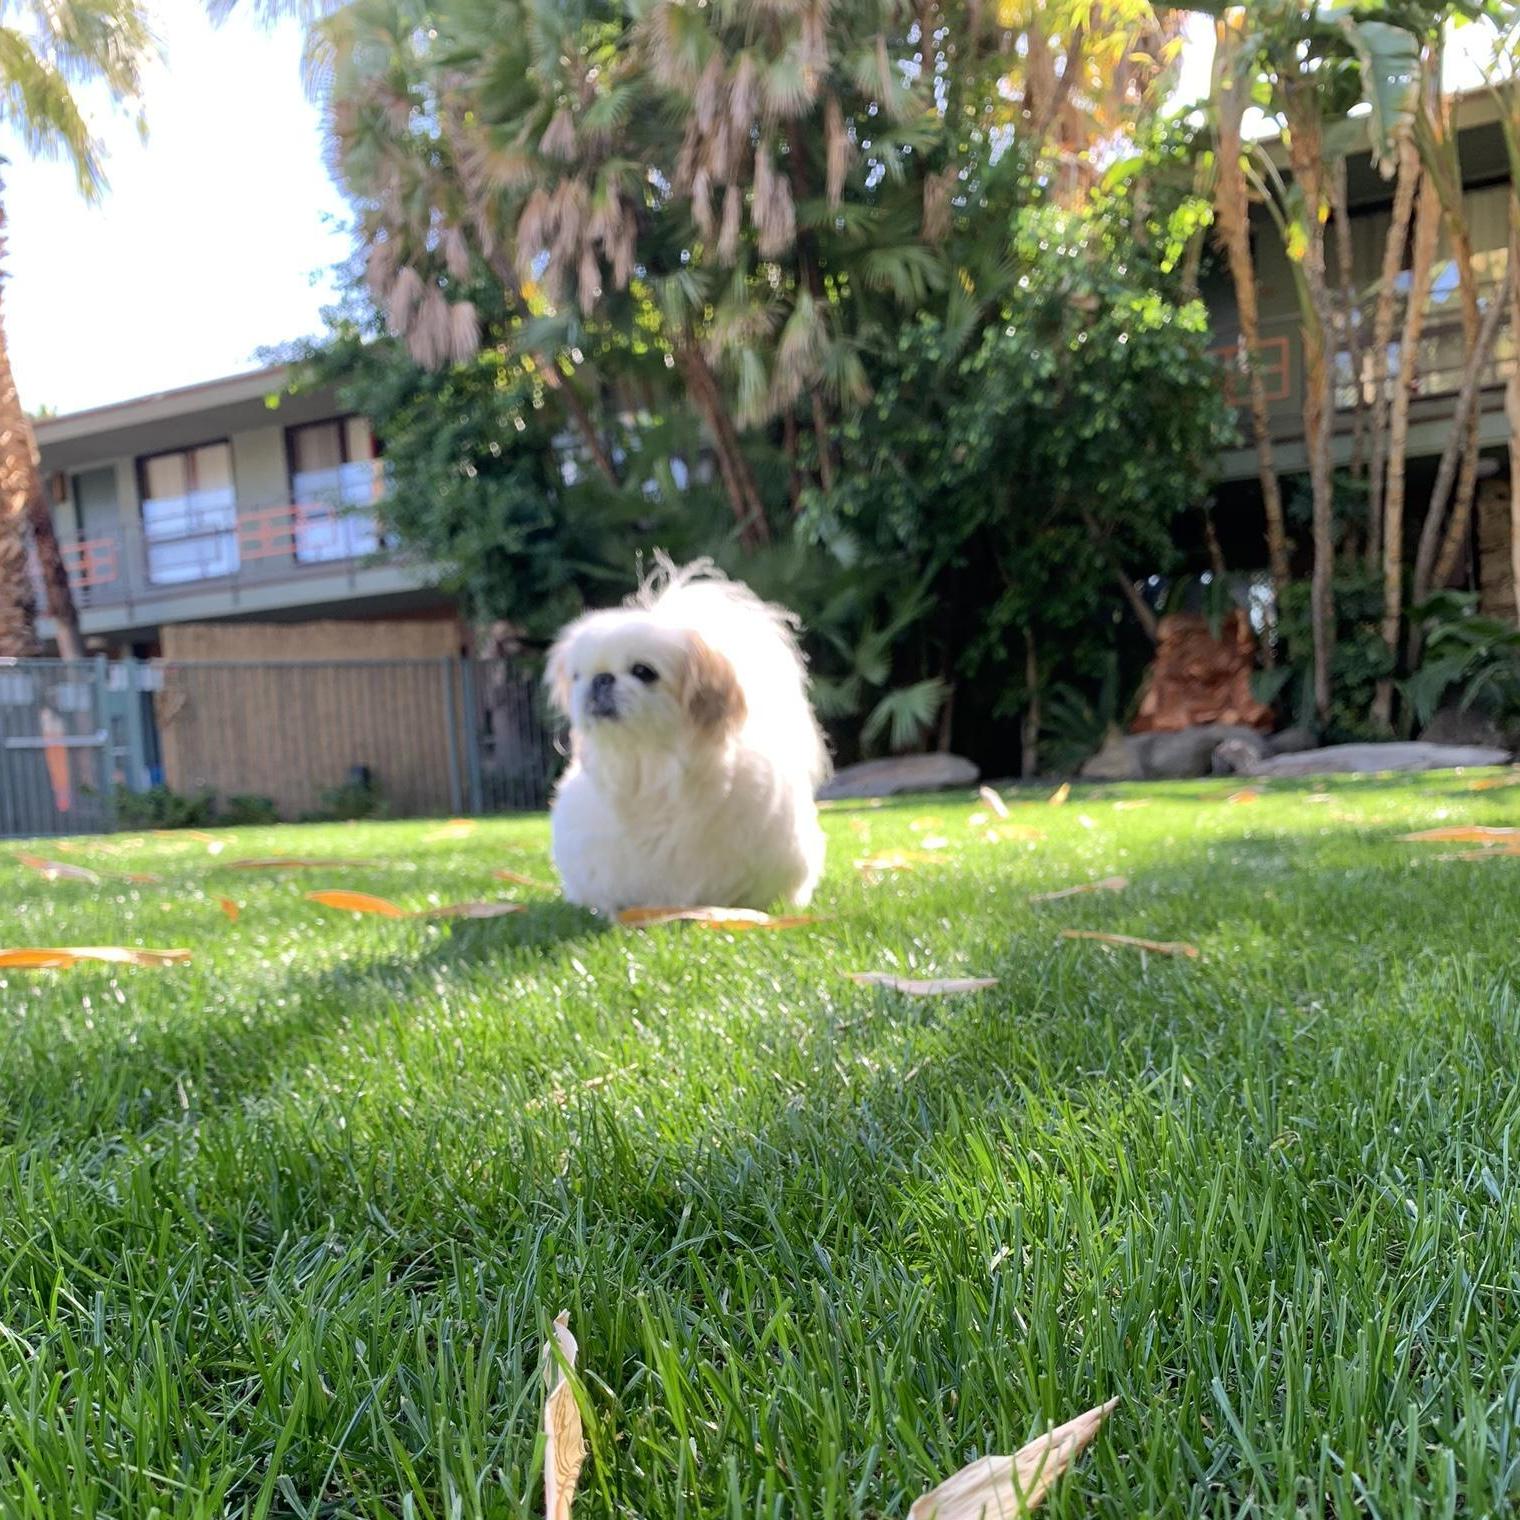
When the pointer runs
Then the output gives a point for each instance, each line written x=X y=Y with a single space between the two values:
x=603 y=698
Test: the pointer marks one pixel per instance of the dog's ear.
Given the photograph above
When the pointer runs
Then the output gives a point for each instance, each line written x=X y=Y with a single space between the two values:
x=558 y=673
x=710 y=690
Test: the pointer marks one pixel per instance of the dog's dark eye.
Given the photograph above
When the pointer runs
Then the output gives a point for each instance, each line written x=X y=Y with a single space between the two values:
x=644 y=673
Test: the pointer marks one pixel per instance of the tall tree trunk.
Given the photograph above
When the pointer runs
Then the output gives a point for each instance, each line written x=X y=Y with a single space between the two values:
x=1427 y=227
x=1350 y=313
x=1302 y=109
x=1029 y=758
x=1232 y=213
x=1430 y=569
x=1446 y=164
x=19 y=486
x=738 y=479
x=1382 y=337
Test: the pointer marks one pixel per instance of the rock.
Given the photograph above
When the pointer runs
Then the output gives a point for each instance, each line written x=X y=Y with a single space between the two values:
x=1190 y=752
x=1361 y=759
x=900 y=773
x=1450 y=725
x=1122 y=758
x=1291 y=741
x=1198 y=679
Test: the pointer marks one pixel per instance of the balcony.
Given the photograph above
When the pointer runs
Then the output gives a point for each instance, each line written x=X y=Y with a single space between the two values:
x=232 y=552
x=1437 y=380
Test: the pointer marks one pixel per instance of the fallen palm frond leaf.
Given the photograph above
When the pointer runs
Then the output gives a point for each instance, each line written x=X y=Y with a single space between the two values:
x=1000 y=1488
x=58 y=958
x=229 y=907
x=59 y=870
x=1129 y=942
x=1468 y=833
x=142 y=878
x=993 y=801
x=1107 y=884
x=914 y=987
x=564 y=1443
x=711 y=918
x=1061 y=793
x=517 y=879
x=1244 y=795
x=471 y=910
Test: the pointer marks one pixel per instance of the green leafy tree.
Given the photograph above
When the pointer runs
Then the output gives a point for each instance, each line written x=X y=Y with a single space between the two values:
x=1001 y=470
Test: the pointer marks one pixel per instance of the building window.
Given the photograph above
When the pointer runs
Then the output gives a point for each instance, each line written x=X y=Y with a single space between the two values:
x=189 y=514
x=335 y=477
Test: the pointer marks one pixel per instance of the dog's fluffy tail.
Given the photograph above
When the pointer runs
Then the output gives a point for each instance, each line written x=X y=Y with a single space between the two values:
x=758 y=639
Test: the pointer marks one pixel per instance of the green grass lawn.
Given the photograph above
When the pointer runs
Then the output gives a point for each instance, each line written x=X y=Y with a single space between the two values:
x=282 y=1230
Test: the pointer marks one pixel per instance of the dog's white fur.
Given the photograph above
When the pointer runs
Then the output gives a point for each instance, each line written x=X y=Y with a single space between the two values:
x=695 y=788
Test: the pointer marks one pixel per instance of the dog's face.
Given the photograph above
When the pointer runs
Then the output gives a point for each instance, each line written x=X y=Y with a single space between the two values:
x=625 y=679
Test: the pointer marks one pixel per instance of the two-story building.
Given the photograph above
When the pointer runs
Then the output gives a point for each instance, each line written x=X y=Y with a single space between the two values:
x=234 y=520
x=1485 y=171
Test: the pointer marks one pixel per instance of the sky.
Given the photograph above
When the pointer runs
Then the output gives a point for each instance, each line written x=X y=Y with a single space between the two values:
x=216 y=237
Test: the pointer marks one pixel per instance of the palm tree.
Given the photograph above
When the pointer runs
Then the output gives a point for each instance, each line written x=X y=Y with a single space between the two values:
x=50 y=48
x=761 y=190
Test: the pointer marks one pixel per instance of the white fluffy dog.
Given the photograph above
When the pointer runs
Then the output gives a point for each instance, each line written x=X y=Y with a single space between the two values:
x=695 y=753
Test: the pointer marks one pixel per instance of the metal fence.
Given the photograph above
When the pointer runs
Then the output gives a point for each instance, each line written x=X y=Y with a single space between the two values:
x=295 y=739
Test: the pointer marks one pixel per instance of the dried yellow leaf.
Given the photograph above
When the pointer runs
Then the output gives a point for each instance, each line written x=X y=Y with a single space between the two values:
x=1107 y=884
x=564 y=1443
x=1061 y=793
x=932 y=987
x=358 y=902
x=1245 y=794
x=69 y=955
x=519 y=880
x=229 y=907
x=999 y=1488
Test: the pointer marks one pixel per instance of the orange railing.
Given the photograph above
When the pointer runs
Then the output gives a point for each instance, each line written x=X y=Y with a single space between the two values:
x=1275 y=376
x=269 y=541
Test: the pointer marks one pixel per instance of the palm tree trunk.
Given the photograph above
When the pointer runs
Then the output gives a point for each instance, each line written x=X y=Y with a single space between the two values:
x=1232 y=212
x=1382 y=338
x=19 y=485
x=1318 y=328
x=1427 y=227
